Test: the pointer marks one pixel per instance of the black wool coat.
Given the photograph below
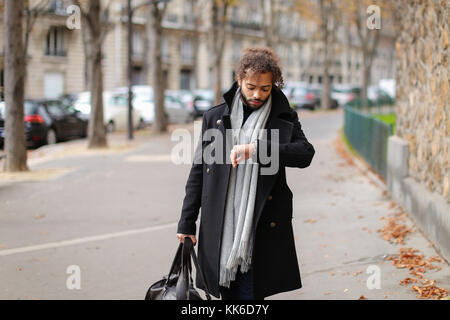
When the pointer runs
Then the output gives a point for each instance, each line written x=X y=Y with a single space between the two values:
x=274 y=259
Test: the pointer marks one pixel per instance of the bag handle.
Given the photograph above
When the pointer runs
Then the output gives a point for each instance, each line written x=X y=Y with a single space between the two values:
x=182 y=289
x=200 y=273
x=176 y=264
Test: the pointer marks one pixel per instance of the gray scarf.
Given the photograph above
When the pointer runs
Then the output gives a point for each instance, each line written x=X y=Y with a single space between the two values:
x=237 y=240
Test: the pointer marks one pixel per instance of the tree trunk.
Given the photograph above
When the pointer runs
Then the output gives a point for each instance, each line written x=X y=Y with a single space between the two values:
x=365 y=79
x=196 y=40
x=15 y=145
x=326 y=89
x=86 y=47
x=218 y=43
x=160 y=123
x=147 y=47
x=267 y=10
x=129 y=70
x=96 y=129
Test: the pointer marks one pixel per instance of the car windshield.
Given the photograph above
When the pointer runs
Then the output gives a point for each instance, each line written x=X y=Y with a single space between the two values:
x=299 y=90
x=120 y=100
x=84 y=98
x=28 y=108
x=204 y=95
x=341 y=90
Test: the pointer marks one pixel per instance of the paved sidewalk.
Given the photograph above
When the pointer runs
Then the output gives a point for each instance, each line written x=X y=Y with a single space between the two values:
x=338 y=208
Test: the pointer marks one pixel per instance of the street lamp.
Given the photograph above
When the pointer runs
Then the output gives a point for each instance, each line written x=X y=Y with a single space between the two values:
x=130 y=12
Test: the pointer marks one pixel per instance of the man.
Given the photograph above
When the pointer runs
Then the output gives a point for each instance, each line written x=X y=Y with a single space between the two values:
x=246 y=245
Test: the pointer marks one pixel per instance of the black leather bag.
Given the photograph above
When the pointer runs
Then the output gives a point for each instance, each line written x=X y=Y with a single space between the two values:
x=178 y=284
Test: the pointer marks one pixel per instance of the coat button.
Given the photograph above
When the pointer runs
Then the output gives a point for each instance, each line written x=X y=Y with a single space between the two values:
x=269 y=198
x=218 y=122
x=273 y=224
x=207 y=170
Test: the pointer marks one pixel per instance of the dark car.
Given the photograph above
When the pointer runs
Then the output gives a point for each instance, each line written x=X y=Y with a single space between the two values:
x=307 y=97
x=47 y=122
x=317 y=92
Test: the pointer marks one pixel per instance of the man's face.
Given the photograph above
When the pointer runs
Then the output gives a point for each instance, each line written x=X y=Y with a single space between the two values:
x=255 y=89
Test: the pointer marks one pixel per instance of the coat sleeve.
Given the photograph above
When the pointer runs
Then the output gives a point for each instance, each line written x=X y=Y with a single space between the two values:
x=297 y=153
x=194 y=184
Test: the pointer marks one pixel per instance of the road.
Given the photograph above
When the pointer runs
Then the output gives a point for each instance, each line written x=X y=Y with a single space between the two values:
x=111 y=217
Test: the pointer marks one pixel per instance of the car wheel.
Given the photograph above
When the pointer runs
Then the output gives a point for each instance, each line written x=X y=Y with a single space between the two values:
x=84 y=132
x=141 y=125
x=51 y=136
x=110 y=127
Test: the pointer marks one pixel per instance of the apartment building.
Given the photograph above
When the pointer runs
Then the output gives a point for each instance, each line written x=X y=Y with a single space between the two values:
x=56 y=55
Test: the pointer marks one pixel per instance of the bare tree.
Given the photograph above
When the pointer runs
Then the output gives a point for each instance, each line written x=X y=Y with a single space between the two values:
x=15 y=146
x=94 y=19
x=157 y=12
x=219 y=12
x=271 y=16
x=198 y=9
x=354 y=14
x=31 y=15
x=323 y=13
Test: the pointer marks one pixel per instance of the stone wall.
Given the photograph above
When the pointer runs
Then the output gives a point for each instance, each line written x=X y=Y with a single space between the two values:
x=423 y=95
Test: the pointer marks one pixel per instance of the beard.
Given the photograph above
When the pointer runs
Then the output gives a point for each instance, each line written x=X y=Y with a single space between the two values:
x=246 y=102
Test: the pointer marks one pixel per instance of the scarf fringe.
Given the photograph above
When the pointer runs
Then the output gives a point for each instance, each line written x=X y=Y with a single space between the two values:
x=244 y=260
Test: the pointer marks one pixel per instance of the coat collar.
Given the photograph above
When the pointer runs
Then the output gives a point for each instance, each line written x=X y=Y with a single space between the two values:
x=280 y=103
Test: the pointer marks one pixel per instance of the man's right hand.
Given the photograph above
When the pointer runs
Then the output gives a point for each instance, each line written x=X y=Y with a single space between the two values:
x=181 y=237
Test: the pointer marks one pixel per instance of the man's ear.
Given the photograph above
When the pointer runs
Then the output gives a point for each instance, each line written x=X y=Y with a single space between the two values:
x=239 y=81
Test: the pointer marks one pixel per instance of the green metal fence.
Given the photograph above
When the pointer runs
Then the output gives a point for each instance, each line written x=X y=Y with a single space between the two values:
x=369 y=137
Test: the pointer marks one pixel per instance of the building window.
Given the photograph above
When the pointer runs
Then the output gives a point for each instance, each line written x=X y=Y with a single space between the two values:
x=57 y=6
x=185 y=79
x=189 y=9
x=186 y=50
x=237 y=49
x=138 y=44
x=165 y=48
x=55 y=42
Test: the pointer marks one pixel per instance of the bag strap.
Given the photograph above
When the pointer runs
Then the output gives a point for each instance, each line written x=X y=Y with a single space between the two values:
x=176 y=264
x=182 y=289
x=200 y=273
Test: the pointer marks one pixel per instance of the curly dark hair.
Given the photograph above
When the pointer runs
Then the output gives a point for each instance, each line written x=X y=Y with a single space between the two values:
x=260 y=60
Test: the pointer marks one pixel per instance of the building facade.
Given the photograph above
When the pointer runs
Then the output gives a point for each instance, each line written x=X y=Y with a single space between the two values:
x=56 y=55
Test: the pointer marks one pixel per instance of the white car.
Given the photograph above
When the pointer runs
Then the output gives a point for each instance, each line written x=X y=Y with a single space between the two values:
x=176 y=111
x=115 y=111
x=345 y=93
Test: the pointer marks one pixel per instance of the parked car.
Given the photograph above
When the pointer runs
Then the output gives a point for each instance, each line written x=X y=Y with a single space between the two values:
x=143 y=102
x=345 y=93
x=388 y=86
x=48 y=122
x=115 y=111
x=316 y=89
x=68 y=98
x=186 y=97
x=290 y=86
x=203 y=101
x=378 y=96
